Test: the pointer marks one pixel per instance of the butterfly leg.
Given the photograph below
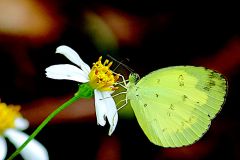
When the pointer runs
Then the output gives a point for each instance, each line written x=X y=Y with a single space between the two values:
x=123 y=80
x=126 y=102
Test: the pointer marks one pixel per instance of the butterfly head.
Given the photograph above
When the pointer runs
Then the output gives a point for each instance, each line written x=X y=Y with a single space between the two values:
x=134 y=78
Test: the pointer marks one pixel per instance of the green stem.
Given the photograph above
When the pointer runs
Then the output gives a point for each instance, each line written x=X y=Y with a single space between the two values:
x=43 y=124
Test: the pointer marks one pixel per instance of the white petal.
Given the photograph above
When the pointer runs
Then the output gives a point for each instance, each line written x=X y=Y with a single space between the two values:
x=21 y=123
x=73 y=57
x=3 y=148
x=33 y=150
x=100 y=108
x=66 y=71
x=106 y=107
x=112 y=114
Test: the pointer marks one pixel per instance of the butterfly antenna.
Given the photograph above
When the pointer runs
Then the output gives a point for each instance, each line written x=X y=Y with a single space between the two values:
x=120 y=63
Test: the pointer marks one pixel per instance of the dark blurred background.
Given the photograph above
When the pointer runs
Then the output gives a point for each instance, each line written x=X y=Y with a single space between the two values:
x=147 y=36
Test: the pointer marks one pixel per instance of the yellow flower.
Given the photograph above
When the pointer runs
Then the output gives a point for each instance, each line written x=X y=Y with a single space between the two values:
x=11 y=124
x=100 y=78
x=8 y=116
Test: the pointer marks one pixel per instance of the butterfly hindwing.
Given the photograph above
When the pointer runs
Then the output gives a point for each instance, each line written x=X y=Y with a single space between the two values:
x=174 y=106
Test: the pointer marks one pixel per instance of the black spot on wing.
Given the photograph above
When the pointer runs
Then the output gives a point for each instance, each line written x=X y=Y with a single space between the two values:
x=172 y=107
x=164 y=129
x=206 y=88
x=211 y=82
x=136 y=89
x=169 y=114
x=171 y=110
x=181 y=80
x=184 y=97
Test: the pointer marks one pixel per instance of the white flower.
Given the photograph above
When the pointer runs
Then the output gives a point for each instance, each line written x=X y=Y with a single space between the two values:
x=11 y=126
x=100 y=78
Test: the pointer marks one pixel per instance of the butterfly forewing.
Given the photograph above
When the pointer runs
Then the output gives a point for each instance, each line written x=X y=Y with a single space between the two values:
x=174 y=106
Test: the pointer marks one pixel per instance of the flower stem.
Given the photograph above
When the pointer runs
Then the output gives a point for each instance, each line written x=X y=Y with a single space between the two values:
x=43 y=124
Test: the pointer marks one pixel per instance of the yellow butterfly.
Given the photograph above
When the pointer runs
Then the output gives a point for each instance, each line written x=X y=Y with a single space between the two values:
x=175 y=105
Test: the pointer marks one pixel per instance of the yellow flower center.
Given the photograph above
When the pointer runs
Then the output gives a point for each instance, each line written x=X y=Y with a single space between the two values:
x=101 y=77
x=8 y=114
